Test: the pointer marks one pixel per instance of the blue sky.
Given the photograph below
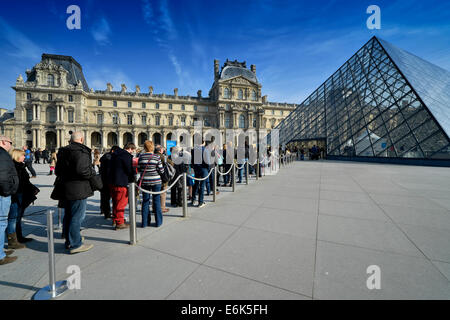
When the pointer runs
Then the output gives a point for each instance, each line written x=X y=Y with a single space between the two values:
x=169 y=44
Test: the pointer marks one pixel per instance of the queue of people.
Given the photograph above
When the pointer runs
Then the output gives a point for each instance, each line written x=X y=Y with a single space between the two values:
x=75 y=167
x=16 y=194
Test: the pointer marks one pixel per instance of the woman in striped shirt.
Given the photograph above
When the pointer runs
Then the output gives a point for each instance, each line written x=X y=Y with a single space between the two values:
x=150 y=167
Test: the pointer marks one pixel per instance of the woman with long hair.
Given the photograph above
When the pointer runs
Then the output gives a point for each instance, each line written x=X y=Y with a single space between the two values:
x=19 y=202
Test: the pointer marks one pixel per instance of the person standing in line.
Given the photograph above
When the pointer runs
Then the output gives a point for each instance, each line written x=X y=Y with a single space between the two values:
x=72 y=187
x=45 y=156
x=9 y=184
x=37 y=156
x=150 y=168
x=29 y=161
x=96 y=160
x=122 y=174
x=105 y=192
x=25 y=195
x=52 y=163
x=159 y=150
x=201 y=171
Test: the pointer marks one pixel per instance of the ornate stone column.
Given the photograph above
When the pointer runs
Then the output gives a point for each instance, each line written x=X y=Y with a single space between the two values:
x=58 y=138
x=34 y=138
x=87 y=138
x=135 y=138
x=104 y=139
x=120 y=139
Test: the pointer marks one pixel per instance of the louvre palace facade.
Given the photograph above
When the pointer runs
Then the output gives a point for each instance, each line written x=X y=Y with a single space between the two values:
x=55 y=100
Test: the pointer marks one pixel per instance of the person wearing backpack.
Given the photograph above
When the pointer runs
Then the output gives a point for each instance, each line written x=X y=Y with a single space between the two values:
x=170 y=173
x=151 y=169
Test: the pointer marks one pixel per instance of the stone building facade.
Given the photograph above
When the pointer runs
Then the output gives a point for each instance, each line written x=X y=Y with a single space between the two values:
x=55 y=100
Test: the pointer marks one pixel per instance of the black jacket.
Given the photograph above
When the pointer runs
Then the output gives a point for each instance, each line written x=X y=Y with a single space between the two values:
x=73 y=171
x=121 y=169
x=26 y=188
x=105 y=168
x=9 y=182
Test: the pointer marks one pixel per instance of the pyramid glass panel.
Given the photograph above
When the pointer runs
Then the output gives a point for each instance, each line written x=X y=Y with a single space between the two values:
x=382 y=103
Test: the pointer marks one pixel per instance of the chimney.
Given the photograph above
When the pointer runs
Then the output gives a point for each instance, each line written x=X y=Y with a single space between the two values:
x=124 y=88
x=138 y=89
x=199 y=93
x=109 y=87
x=150 y=90
x=175 y=92
x=253 y=68
x=216 y=69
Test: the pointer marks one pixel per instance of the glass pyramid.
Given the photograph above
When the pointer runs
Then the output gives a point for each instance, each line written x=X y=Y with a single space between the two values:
x=383 y=102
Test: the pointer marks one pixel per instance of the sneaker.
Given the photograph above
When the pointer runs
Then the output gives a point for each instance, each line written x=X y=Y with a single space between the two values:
x=82 y=248
x=201 y=205
x=68 y=246
x=7 y=260
x=122 y=226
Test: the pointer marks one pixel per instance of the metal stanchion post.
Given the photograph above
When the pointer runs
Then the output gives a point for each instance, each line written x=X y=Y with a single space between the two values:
x=215 y=183
x=233 y=176
x=246 y=173
x=54 y=289
x=184 y=195
x=132 y=209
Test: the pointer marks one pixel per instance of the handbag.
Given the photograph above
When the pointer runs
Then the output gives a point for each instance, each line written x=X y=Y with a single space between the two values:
x=96 y=182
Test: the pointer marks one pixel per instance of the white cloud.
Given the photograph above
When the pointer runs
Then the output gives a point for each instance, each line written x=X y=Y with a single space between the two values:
x=21 y=46
x=99 y=77
x=101 y=32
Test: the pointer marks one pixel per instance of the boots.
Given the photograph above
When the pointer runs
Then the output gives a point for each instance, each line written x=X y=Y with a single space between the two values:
x=7 y=260
x=51 y=172
x=13 y=243
x=19 y=235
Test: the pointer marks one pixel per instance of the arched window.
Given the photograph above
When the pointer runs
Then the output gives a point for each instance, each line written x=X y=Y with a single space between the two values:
x=51 y=80
x=240 y=94
x=254 y=95
x=241 y=121
x=226 y=93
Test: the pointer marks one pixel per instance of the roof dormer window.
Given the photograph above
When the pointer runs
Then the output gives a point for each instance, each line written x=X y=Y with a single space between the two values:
x=51 y=80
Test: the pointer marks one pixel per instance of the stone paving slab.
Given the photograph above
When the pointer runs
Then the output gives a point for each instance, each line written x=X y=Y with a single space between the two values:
x=309 y=232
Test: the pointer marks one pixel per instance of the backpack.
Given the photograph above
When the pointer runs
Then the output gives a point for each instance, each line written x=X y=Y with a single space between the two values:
x=169 y=172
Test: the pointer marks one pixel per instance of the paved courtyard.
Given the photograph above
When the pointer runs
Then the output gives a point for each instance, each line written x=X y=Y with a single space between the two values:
x=309 y=232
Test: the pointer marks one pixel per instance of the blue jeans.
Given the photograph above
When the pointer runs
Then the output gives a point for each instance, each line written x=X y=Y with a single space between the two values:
x=156 y=205
x=74 y=213
x=243 y=170
x=199 y=186
x=5 y=204
x=15 y=214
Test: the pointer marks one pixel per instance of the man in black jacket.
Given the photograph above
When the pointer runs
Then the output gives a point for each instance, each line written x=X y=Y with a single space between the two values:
x=9 y=183
x=73 y=171
x=121 y=173
x=105 y=173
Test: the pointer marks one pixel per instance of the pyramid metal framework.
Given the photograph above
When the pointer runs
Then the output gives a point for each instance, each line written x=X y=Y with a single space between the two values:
x=382 y=103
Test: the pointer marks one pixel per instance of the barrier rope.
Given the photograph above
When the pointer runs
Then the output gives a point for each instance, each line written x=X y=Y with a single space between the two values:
x=36 y=213
x=224 y=174
x=162 y=191
x=239 y=168
x=201 y=179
